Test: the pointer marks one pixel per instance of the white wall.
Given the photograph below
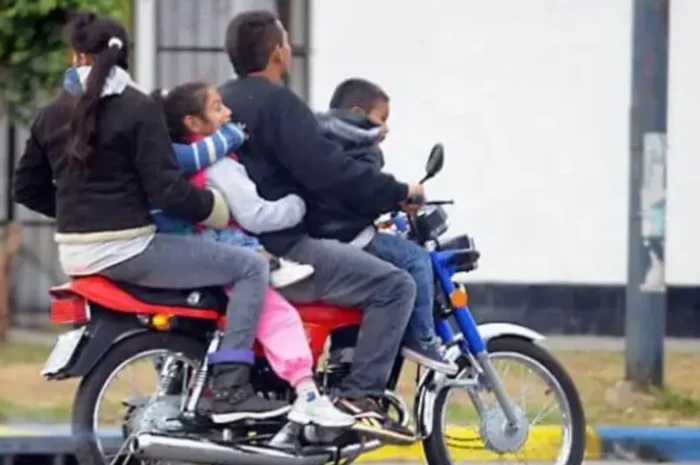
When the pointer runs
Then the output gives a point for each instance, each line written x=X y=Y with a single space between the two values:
x=531 y=100
x=683 y=231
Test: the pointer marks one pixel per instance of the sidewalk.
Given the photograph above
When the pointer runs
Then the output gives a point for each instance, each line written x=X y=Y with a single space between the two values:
x=615 y=344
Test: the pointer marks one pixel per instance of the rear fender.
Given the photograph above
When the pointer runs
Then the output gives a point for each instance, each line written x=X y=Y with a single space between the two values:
x=105 y=330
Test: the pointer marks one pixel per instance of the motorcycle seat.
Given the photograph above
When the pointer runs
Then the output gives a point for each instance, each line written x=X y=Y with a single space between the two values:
x=206 y=298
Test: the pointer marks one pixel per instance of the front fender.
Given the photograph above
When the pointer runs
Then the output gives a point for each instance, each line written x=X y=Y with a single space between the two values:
x=430 y=382
x=490 y=331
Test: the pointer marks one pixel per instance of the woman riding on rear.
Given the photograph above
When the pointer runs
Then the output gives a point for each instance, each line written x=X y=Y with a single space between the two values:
x=99 y=174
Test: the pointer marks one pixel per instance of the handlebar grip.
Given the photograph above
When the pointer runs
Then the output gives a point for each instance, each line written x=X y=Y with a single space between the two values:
x=416 y=199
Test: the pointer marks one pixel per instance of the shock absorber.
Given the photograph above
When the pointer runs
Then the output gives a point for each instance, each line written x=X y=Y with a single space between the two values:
x=201 y=378
x=168 y=373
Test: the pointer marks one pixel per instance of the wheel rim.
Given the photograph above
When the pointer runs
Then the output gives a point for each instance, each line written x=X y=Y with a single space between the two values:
x=456 y=439
x=150 y=356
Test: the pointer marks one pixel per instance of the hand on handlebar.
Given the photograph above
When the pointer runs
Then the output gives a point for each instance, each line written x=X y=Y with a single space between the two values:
x=416 y=194
x=415 y=200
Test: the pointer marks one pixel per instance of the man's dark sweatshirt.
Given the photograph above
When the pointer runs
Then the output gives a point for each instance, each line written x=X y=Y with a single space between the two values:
x=287 y=153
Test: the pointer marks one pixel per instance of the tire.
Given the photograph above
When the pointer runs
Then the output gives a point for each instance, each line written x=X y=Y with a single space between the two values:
x=84 y=404
x=433 y=446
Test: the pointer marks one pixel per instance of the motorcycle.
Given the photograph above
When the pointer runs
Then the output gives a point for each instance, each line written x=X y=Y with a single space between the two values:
x=115 y=324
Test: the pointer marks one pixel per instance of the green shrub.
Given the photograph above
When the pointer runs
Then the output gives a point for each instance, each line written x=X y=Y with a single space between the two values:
x=33 y=54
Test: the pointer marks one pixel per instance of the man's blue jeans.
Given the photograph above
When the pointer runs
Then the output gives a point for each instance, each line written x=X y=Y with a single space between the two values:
x=411 y=257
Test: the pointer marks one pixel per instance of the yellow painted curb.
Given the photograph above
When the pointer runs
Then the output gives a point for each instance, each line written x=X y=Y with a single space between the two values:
x=7 y=431
x=464 y=444
x=543 y=444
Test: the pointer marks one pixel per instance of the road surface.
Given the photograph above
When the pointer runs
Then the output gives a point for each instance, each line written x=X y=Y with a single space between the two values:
x=537 y=463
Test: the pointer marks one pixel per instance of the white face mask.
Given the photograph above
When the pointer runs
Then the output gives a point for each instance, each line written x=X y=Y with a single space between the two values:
x=75 y=80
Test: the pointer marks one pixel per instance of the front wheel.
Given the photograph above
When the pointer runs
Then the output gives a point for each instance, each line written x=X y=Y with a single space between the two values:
x=453 y=440
x=105 y=399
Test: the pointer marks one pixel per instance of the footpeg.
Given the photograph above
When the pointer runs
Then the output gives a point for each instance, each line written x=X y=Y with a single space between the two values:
x=287 y=437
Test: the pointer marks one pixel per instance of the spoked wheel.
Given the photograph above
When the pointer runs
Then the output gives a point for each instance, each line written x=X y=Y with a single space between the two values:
x=469 y=425
x=119 y=395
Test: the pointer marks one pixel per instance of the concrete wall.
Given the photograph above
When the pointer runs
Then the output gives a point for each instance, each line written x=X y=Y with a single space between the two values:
x=531 y=100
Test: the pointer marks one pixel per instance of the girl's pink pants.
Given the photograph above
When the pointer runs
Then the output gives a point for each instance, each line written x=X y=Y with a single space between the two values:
x=282 y=337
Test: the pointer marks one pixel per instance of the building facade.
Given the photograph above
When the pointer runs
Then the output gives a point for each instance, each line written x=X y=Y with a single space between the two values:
x=531 y=100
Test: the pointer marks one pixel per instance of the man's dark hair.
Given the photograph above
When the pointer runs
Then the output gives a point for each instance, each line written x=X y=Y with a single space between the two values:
x=357 y=92
x=251 y=37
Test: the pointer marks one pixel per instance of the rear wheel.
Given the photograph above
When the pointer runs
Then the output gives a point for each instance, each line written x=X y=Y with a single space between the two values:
x=452 y=441
x=93 y=403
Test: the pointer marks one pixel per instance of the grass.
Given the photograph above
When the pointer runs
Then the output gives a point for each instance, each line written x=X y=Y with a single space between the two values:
x=22 y=353
x=606 y=399
x=26 y=396
x=31 y=398
x=678 y=402
x=20 y=413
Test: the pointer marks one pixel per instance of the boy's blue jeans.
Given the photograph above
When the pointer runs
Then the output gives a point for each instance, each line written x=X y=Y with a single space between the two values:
x=411 y=257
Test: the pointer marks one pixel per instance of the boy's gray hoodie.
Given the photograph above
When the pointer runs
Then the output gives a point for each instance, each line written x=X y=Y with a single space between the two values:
x=359 y=138
x=357 y=134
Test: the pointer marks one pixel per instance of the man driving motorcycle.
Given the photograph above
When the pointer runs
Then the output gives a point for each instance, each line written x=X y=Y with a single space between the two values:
x=287 y=153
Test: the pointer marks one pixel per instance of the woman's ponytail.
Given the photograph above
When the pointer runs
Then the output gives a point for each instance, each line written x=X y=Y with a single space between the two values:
x=106 y=42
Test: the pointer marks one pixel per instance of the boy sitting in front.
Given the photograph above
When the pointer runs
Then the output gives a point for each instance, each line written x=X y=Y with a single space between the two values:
x=357 y=119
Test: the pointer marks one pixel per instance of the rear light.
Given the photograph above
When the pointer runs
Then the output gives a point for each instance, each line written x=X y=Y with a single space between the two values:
x=70 y=309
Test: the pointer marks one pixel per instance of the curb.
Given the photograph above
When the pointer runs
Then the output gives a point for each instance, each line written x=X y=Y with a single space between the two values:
x=640 y=444
x=650 y=444
x=630 y=443
x=464 y=444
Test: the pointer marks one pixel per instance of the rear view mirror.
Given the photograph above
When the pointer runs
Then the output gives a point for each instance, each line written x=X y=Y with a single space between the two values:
x=436 y=160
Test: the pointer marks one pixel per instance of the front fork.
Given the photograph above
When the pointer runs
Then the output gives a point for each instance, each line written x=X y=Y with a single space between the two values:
x=431 y=384
x=494 y=383
x=473 y=345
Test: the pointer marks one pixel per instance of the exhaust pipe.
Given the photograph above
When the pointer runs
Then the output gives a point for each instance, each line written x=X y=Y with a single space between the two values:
x=156 y=447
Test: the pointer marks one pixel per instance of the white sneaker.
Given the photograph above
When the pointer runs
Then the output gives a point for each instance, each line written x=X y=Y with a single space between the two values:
x=319 y=410
x=289 y=272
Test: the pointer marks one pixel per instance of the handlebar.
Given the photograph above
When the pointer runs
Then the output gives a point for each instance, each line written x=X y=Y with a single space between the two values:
x=440 y=202
x=401 y=221
x=420 y=200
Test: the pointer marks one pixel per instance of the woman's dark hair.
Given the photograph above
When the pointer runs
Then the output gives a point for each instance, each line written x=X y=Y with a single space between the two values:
x=251 y=37
x=357 y=92
x=91 y=35
x=184 y=100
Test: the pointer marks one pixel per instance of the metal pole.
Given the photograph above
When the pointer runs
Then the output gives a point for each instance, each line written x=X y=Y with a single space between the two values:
x=645 y=303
